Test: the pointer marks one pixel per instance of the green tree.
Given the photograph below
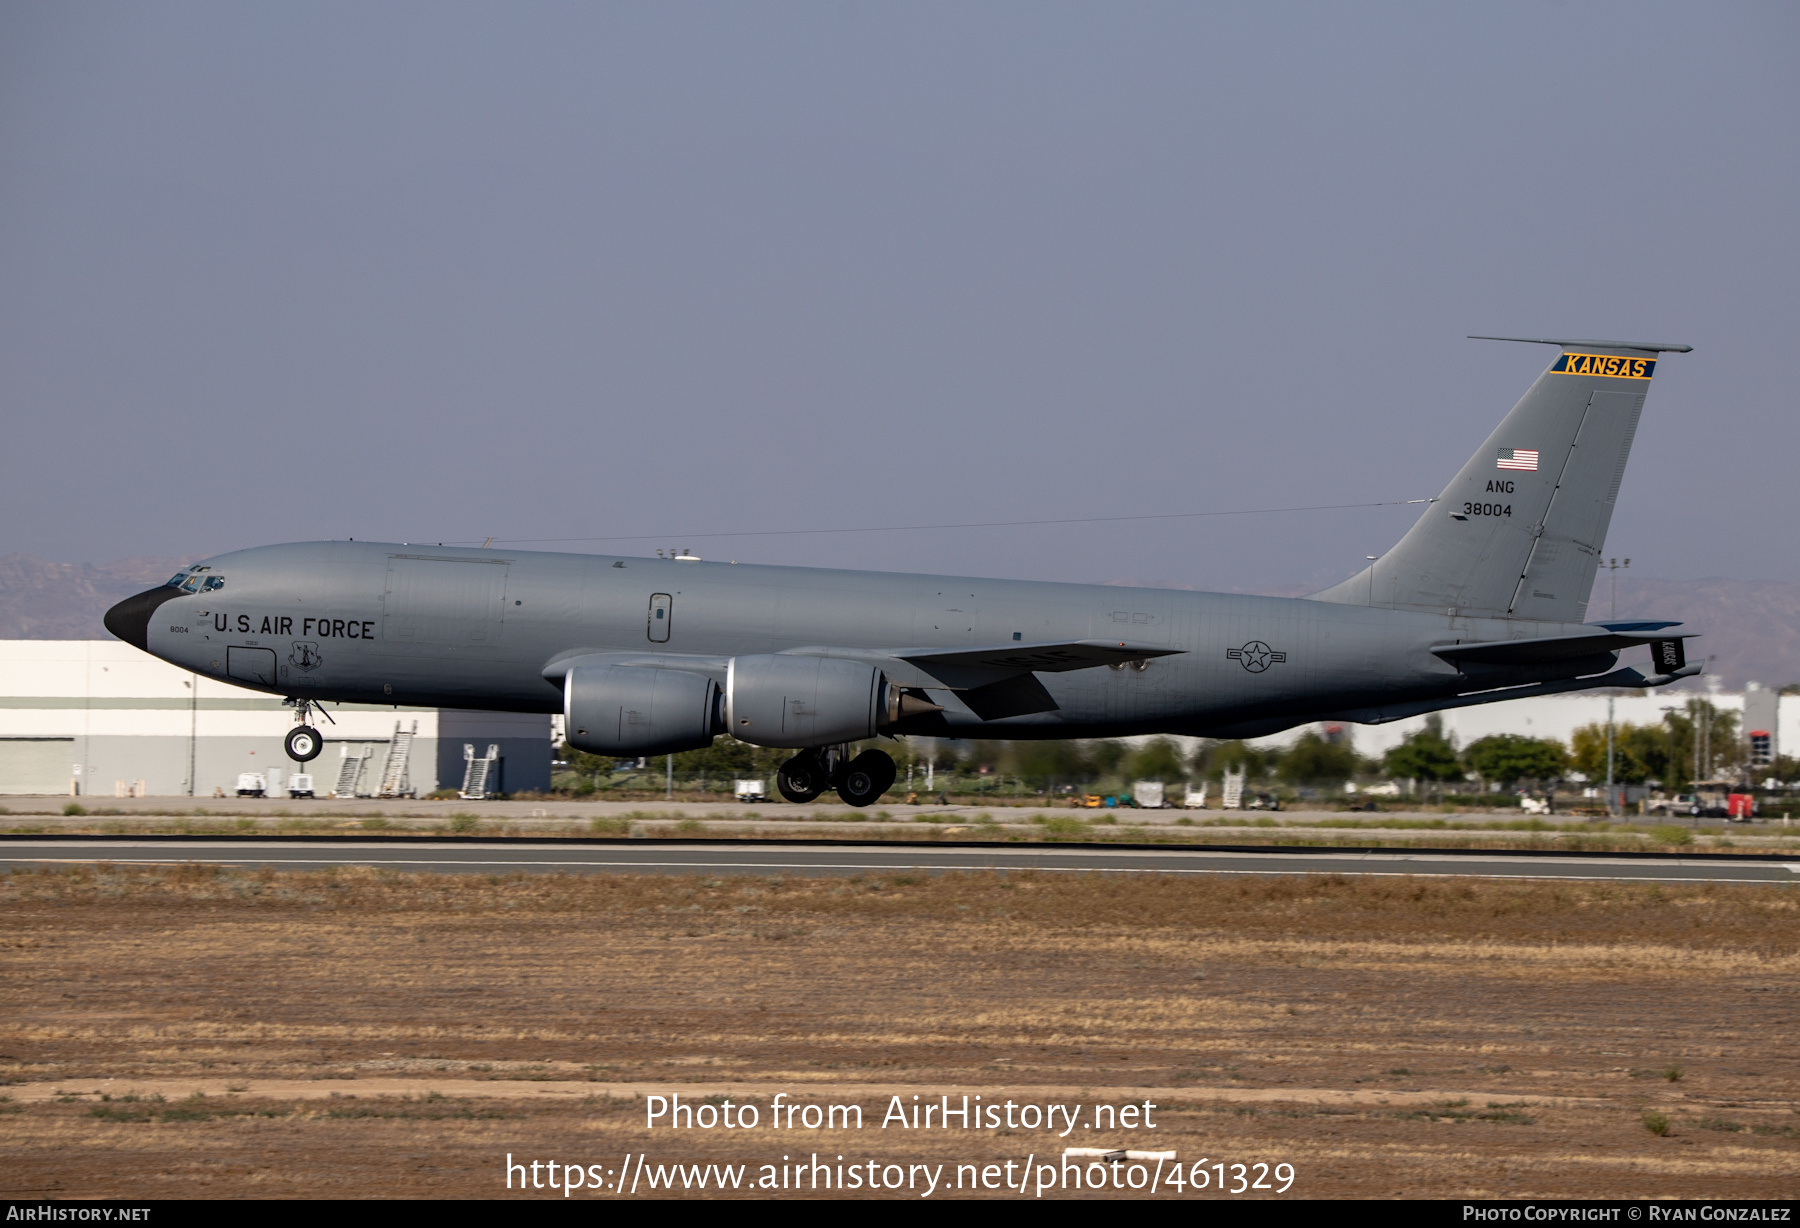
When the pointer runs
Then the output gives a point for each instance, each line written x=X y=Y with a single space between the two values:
x=590 y=768
x=1648 y=747
x=1108 y=757
x=1425 y=755
x=1231 y=756
x=1640 y=752
x=1314 y=759
x=1510 y=757
x=1046 y=765
x=1159 y=759
x=1703 y=741
x=725 y=760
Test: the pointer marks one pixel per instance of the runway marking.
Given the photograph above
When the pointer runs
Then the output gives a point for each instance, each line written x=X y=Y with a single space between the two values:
x=1474 y=857
x=889 y=866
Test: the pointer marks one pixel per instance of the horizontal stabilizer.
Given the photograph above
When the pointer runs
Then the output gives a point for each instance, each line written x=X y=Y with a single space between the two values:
x=1627 y=677
x=1545 y=649
x=1648 y=347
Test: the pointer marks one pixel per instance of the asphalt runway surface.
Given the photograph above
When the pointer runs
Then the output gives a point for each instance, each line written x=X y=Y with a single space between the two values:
x=474 y=855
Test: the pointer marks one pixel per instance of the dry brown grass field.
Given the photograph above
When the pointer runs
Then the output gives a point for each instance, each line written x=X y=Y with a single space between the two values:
x=192 y=1032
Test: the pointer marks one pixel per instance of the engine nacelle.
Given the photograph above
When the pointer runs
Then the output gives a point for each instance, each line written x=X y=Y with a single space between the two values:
x=628 y=710
x=803 y=701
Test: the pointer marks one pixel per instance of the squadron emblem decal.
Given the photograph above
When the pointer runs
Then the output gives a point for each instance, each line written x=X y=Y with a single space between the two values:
x=305 y=657
x=1256 y=656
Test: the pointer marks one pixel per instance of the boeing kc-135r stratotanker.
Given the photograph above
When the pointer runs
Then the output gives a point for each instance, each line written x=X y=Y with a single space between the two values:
x=1484 y=599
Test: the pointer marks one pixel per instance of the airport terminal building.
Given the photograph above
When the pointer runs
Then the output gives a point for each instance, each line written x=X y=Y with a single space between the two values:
x=99 y=718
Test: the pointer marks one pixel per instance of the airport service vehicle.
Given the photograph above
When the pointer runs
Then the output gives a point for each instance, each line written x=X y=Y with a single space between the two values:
x=1483 y=599
x=300 y=784
x=1713 y=799
x=1681 y=803
x=1147 y=795
x=749 y=791
x=252 y=784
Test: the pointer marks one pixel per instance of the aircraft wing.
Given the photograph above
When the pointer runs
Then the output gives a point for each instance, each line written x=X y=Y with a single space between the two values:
x=957 y=669
x=999 y=680
x=993 y=682
x=697 y=663
x=1044 y=658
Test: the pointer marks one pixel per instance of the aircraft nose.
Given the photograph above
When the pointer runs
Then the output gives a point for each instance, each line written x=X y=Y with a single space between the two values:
x=130 y=619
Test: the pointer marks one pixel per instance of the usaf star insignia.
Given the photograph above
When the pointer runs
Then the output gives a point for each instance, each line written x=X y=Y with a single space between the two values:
x=1256 y=656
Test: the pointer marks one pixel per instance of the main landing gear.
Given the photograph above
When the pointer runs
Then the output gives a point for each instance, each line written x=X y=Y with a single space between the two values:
x=860 y=781
x=303 y=741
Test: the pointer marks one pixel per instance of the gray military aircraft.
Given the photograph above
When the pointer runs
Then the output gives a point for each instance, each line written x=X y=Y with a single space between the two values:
x=1484 y=599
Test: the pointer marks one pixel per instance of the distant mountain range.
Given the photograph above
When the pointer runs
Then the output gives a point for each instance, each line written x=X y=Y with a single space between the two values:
x=1751 y=627
x=65 y=601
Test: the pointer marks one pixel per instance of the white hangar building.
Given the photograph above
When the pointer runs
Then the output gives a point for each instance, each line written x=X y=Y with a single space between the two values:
x=98 y=718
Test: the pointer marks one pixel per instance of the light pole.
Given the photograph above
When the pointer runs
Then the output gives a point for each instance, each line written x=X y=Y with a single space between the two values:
x=1613 y=566
x=193 y=727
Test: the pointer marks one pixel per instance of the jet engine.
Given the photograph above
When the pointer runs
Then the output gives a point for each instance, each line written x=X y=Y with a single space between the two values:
x=812 y=701
x=628 y=710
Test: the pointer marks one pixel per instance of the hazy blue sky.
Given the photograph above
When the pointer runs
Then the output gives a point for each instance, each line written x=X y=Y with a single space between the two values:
x=440 y=272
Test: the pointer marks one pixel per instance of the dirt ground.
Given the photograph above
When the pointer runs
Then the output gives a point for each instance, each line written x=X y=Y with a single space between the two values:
x=189 y=1032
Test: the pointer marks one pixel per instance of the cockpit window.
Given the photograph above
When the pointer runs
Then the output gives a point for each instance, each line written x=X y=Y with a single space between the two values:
x=195 y=581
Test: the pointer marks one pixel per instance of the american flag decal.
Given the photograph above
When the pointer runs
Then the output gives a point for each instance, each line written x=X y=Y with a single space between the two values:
x=1518 y=458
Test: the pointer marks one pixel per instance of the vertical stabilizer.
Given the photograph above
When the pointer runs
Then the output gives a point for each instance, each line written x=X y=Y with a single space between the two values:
x=1518 y=533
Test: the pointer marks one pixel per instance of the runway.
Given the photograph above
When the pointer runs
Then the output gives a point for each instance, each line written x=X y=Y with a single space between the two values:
x=479 y=856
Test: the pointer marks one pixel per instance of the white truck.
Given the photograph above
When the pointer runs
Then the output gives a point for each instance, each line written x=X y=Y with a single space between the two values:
x=252 y=784
x=749 y=791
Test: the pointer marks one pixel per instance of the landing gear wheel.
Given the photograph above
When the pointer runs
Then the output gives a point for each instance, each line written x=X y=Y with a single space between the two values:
x=304 y=744
x=801 y=778
x=866 y=778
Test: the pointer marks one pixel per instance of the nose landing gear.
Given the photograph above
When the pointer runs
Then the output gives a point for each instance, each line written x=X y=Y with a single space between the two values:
x=303 y=742
x=860 y=781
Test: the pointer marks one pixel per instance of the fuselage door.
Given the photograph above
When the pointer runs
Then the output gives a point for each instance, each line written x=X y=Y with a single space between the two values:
x=253 y=665
x=444 y=600
x=662 y=608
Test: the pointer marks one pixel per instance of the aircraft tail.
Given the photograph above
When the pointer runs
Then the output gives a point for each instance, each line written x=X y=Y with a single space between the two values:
x=1518 y=533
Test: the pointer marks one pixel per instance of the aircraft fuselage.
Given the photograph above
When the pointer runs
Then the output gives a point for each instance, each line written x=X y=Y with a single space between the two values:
x=382 y=623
